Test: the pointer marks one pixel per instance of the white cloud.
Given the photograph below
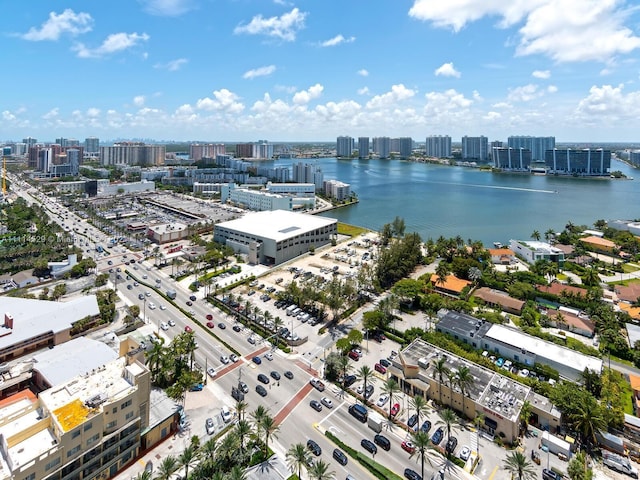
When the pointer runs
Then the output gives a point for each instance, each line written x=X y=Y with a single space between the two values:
x=224 y=101
x=608 y=104
x=259 y=72
x=115 y=42
x=51 y=114
x=552 y=89
x=447 y=70
x=93 y=112
x=501 y=105
x=525 y=93
x=397 y=94
x=138 y=100
x=363 y=73
x=363 y=91
x=564 y=30
x=290 y=89
x=337 y=40
x=305 y=96
x=492 y=116
x=66 y=22
x=167 y=8
x=542 y=74
x=8 y=116
x=284 y=27
x=172 y=65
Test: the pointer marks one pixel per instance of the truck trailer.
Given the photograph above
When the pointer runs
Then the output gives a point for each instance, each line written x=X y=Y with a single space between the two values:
x=375 y=421
x=619 y=464
x=556 y=445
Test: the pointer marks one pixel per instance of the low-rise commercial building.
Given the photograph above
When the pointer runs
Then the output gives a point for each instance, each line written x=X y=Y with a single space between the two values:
x=498 y=398
x=167 y=232
x=273 y=237
x=532 y=251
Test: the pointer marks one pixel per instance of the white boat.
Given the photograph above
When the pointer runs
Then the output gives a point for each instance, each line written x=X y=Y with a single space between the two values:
x=497 y=244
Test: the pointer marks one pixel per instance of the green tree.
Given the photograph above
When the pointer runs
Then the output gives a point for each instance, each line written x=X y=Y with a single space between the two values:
x=519 y=466
x=168 y=466
x=270 y=430
x=320 y=471
x=448 y=419
x=577 y=468
x=441 y=370
x=588 y=419
x=535 y=235
x=391 y=388
x=419 y=405
x=464 y=380
x=422 y=444
x=187 y=459
x=297 y=457
x=525 y=415
x=367 y=376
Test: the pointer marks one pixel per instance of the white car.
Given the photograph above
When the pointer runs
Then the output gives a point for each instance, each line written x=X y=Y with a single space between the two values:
x=225 y=413
x=360 y=389
x=162 y=307
x=465 y=453
x=212 y=372
x=326 y=402
x=152 y=306
x=268 y=356
x=523 y=373
x=172 y=323
x=382 y=400
x=233 y=358
x=224 y=359
x=164 y=326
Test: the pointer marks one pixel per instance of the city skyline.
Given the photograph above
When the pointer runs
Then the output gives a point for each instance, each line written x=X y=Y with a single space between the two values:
x=303 y=71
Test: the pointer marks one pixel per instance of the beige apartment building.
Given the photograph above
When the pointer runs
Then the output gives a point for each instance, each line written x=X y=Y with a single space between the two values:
x=86 y=428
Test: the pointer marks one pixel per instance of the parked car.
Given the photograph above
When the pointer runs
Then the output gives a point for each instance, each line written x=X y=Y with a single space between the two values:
x=550 y=475
x=437 y=436
x=426 y=426
x=465 y=453
x=210 y=426
x=368 y=391
x=452 y=443
x=407 y=446
x=197 y=387
x=379 y=368
x=354 y=356
x=385 y=363
x=382 y=400
x=412 y=421
x=225 y=413
x=395 y=409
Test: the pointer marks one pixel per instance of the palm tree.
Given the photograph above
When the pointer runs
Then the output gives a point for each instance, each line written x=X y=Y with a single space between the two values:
x=242 y=429
x=155 y=358
x=440 y=368
x=390 y=387
x=448 y=419
x=525 y=415
x=420 y=406
x=518 y=465
x=422 y=443
x=588 y=420
x=478 y=421
x=464 y=380
x=168 y=466
x=535 y=235
x=187 y=458
x=297 y=457
x=236 y=473
x=270 y=429
x=320 y=471
x=366 y=375
x=241 y=407
x=442 y=271
x=344 y=365
x=145 y=475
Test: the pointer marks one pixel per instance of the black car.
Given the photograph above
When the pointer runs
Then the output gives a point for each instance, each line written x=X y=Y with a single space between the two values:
x=316 y=405
x=288 y=374
x=262 y=378
x=243 y=386
x=385 y=363
x=314 y=447
x=369 y=446
x=340 y=457
x=426 y=426
x=237 y=394
x=189 y=303
x=413 y=419
x=192 y=298
x=437 y=436
x=222 y=326
x=237 y=328
x=452 y=443
x=411 y=474
x=349 y=380
x=382 y=441
x=261 y=390
x=275 y=375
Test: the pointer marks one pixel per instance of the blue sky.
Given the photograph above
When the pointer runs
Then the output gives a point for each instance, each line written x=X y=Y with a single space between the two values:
x=243 y=70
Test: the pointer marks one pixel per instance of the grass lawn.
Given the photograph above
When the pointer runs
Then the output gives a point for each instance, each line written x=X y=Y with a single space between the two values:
x=628 y=268
x=351 y=230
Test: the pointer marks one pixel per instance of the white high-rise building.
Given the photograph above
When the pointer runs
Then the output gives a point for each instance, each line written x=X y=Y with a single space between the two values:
x=344 y=146
x=382 y=146
x=475 y=148
x=438 y=146
x=537 y=145
x=91 y=145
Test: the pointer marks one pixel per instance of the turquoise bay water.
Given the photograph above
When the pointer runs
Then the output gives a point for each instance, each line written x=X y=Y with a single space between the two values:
x=439 y=200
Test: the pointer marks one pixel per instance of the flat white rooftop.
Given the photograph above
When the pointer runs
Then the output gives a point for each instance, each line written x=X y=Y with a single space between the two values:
x=276 y=224
x=543 y=349
x=36 y=317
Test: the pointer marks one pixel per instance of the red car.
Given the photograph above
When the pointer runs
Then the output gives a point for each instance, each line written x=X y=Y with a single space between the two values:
x=408 y=446
x=188 y=329
x=354 y=355
x=395 y=409
x=209 y=316
x=380 y=368
x=210 y=324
